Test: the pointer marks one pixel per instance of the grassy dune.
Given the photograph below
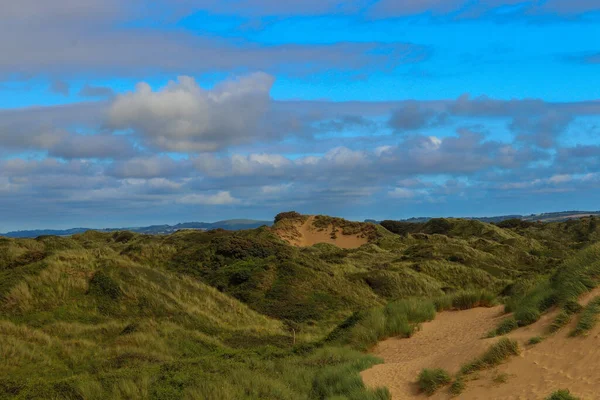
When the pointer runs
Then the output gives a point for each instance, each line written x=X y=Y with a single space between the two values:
x=244 y=315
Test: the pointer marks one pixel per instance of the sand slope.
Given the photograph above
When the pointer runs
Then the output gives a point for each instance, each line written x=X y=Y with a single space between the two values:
x=454 y=338
x=306 y=234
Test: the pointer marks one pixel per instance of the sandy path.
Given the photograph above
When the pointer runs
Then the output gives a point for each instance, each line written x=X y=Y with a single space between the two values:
x=454 y=338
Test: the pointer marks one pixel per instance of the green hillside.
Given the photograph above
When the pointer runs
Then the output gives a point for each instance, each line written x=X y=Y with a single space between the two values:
x=245 y=315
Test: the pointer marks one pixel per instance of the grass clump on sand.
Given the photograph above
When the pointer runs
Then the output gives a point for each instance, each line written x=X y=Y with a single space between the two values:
x=507 y=325
x=535 y=340
x=560 y=321
x=402 y=318
x=464 y=300
x=589 y=318
x=458 y=386
x=495 y=355
x=563 y=394
x=430 y=380
x=399 y=318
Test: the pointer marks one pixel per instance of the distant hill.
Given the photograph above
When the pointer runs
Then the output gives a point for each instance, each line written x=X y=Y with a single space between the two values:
x=230 y=224
x=543 y=217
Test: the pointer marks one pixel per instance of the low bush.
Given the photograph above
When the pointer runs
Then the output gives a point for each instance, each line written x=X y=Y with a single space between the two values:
x=430 y=380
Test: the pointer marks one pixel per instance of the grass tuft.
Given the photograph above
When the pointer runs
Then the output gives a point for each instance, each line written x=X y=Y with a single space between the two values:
x=563 y=394
x=560 y=321
x=589 y=318
x=458 y=386
x=507 y=325
x=430 y=380
x=495 y=355
x=535 y=340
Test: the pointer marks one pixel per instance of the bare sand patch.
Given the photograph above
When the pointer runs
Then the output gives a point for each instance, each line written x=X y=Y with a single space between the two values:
x=457 y=337
x=304 y=234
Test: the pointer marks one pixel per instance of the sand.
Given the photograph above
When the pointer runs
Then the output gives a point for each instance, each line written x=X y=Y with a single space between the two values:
x=306 y=234
x=453 y=338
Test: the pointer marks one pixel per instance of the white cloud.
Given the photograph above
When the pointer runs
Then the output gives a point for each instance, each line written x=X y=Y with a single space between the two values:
x=560 y=179
x=183 y=117
x=402 y=193
x=219 y=198
x=276 y=189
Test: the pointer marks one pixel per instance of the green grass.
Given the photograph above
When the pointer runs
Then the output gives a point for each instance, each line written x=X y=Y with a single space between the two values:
x=500 y=378
x=243 y=315
x=563 y=394
x=535 y=340
x=458 y=386
x=430 y=380
x=495 y=355
x=588 y=319
x=507 y=325
x=576 y=276
x=560 y=321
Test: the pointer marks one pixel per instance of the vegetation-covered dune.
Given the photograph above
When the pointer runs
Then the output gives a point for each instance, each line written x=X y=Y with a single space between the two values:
x=255 y=314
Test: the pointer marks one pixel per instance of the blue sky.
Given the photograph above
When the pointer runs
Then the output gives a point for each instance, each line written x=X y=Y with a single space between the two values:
x=122 y=114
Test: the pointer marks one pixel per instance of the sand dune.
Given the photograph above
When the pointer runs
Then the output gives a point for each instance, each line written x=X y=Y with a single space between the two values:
x=306 y=234
x=454 y=338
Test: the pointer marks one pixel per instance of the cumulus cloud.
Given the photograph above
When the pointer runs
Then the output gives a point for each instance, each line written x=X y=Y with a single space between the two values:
x=183 y=117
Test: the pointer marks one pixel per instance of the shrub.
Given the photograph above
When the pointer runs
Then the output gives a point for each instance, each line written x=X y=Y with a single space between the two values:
x=293 y=215
x=563 y=394
x=431 y=380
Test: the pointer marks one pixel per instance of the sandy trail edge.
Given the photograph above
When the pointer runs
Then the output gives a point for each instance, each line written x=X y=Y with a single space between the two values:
x=456 y=337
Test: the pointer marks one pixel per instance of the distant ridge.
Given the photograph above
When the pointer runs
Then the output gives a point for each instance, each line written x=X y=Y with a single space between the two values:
x=543 y=217
x=230 y=224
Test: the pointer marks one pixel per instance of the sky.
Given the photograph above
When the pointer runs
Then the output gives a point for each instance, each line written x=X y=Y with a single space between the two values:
x=147 y=112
